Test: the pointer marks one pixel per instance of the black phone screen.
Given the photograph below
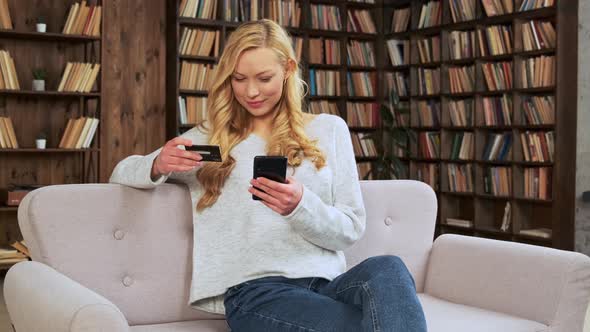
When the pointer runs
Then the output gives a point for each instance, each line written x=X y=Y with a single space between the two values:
x=270 y=167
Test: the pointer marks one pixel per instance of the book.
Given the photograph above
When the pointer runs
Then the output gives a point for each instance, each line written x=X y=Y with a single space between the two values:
x=459 y=222
x=542 y=232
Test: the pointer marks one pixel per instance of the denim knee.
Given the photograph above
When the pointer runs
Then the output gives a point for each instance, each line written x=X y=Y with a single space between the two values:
x=391 y=268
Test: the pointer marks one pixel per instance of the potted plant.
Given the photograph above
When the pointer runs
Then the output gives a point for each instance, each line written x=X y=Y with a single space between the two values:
x=39 y=76
x=392 y=139
x=41 y=26
x=41 y=141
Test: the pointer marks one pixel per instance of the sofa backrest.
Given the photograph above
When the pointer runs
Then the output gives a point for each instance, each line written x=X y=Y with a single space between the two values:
x=134 y=246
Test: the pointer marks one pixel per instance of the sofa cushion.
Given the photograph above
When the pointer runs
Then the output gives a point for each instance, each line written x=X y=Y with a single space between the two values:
x=208 y=325
x=443 y=316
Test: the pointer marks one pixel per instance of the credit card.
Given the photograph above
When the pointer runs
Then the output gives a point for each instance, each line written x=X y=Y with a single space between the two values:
x=208 y=152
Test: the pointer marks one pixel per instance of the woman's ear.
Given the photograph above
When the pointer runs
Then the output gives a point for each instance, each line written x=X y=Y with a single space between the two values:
x=289 y=69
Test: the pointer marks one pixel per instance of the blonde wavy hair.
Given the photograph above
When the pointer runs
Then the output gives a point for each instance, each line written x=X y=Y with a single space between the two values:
x=229 y=123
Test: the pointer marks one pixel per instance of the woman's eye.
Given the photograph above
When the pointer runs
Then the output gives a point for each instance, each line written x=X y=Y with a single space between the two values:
x=239 y=79
x=265 y=79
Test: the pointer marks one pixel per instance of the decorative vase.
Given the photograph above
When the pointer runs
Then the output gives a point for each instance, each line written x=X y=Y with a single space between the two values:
x=38 y=85
x=40 y=143
x=41 y=27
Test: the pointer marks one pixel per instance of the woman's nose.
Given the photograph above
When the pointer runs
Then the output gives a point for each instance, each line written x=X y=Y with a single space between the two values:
x=252 y=90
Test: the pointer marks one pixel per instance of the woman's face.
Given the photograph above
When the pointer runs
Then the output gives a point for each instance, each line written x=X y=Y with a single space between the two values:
x=257 y=81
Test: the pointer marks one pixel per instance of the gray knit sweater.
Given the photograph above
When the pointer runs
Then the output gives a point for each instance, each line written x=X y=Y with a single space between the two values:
x=240 y=239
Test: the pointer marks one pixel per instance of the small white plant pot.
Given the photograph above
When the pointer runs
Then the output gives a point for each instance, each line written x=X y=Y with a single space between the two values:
x=38 y=85
x=41 y=27
x=40 y=143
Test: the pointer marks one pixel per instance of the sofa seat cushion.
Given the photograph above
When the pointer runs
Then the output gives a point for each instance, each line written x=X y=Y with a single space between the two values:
x=205 y=325
x=444 y=316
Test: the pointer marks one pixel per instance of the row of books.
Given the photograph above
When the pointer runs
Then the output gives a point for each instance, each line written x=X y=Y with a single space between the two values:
x=401 y=20
x=497 y=181
x=428 y=113
x=195 y=76
x=83 y=20
x=192 y=110
x=326 y=51
x=430 y=14
x=461 y=112
x=363 y=170
x=538 y=110
x=362 y=115
x=535 y=4
x=537 y=35
x=399 y=52
x=243 y=10
x=498 y=146
x=462 y=10
x=497 y=7
x=297 y=46
x=325 y=17
x=460 y=178
x=497 y=111
x=461 y=44
x=360 y=53
x=428 y=173
x=7 y=134
x=361 y=21
x=538 y=146
x=498 y=75
x=200 y=9
x=79 y=133
x=79 y=77
x=428 y=81
x=429 y=145
x=5 y=20
x=401 y=117
x=199 y=42
x=537 y=182
x=462 y=79
x=397 y=82
x=362 y=145
x=361 y=84
x=16 y=252
x=429 y=49
x=538 y=72
x=323 y=106
x=463 y=146
x=324 y=82
x=285 y=12
x=8 y=77
x=498 y=40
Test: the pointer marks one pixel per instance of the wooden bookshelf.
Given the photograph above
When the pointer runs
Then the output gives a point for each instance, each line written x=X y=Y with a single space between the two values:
x=47 y=111
x=305 y=31
x=486 y=210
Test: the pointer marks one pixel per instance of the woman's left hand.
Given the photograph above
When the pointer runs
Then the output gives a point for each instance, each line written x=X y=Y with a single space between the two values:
x=283 y=198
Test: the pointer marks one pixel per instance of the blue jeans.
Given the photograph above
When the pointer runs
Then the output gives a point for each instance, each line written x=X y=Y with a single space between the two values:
x=378 y=294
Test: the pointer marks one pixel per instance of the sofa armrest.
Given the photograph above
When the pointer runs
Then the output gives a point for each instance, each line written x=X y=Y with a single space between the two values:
x=541 y=284
x=39 y=298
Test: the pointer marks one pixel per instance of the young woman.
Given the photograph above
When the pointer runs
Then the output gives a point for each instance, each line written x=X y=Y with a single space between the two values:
x=277 y=264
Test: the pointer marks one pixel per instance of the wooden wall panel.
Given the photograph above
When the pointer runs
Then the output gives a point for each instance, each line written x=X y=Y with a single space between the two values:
x=134 y=80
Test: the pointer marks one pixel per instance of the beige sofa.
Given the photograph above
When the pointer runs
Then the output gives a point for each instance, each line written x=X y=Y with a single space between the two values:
x=111 y=258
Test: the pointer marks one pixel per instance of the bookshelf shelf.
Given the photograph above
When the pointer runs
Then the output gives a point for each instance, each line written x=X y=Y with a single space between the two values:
x=198 y=58
x=46 y=36
x=194 y=93
x=50 y=112
x=53 y=94
x=325 y=66
x=485 y=210
x=48 y=150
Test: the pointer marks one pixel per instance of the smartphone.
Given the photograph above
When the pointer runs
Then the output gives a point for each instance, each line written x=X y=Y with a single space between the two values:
x=208 y=152
x=270 y=167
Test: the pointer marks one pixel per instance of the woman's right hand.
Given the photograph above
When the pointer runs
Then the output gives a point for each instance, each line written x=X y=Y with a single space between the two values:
x=174 y=159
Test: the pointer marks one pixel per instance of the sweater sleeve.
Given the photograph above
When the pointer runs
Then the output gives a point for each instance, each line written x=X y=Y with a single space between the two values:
x=135 y=171
x=338 y=225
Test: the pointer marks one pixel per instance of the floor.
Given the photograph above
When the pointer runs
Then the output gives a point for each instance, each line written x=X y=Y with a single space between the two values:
x=5 y=325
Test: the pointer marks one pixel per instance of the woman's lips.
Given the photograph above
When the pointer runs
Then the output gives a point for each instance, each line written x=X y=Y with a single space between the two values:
x=255 y=104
